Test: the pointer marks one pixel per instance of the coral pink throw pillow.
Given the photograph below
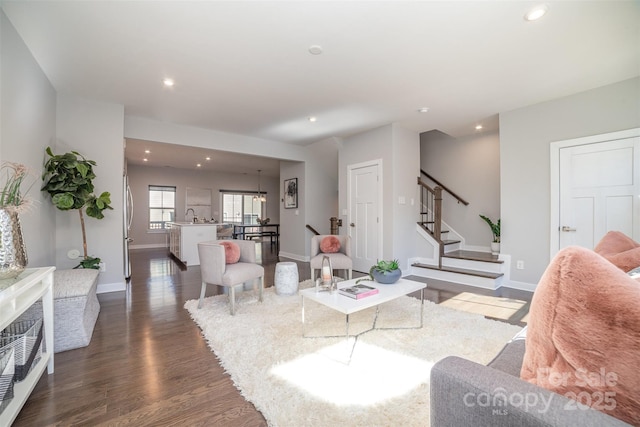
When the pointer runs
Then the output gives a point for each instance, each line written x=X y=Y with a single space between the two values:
x=231 y=252
x=583 y=334
x=619 y=249
x=330 y=245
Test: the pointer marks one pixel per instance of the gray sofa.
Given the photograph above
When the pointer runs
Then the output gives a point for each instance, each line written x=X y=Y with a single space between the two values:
x=465 y=393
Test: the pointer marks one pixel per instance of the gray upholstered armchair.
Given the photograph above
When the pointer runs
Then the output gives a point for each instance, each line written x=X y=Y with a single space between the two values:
x=340 y=260
x=215 y=271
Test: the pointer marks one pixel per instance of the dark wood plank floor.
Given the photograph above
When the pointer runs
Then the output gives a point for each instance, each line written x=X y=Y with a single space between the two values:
x=147 y=363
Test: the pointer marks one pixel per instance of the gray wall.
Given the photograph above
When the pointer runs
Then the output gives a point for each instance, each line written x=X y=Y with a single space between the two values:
x=525 y=135
x=34 y=116
x=95 y=130
x=470 y=167
x=322 y=186
x=399 y=150
x=293 y=243
x=406 y=195
x=27 y=127
x=140 y=177
x=368 y=146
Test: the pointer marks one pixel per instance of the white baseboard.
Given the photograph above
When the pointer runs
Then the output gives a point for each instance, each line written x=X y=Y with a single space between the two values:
x=523 y=286
x=104 y=288
x=149 y=246
x=296 y=257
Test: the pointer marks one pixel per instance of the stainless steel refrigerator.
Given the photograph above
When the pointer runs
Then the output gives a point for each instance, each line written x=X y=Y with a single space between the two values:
x=128 y=217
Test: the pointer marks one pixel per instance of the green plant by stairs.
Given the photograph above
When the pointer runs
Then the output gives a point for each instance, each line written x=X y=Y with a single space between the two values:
x=495 y=228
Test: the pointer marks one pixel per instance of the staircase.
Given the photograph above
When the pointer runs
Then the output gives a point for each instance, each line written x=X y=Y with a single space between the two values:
x=450 y=262
x=480 y=269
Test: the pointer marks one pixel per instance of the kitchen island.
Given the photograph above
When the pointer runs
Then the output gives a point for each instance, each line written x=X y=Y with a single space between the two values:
x=185 y=236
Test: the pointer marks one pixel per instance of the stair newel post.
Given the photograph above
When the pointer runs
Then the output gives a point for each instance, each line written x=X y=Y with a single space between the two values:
x=437 y=219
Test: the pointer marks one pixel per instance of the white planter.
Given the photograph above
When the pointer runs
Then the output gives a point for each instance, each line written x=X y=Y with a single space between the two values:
x=495 y=248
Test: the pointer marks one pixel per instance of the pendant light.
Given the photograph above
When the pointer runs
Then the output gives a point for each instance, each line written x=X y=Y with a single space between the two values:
x=259 y=197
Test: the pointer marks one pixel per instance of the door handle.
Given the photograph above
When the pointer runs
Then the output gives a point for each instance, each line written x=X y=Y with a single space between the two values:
x=566 y=228
x=352 y=224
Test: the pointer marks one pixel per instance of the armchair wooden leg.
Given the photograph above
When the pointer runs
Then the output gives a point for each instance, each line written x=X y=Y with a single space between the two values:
x=232 y=299
x=202 y=292
x=261 y=288
x=350 y=274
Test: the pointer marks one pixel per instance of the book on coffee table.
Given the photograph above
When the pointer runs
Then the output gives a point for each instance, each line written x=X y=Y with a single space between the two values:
x=358 y=291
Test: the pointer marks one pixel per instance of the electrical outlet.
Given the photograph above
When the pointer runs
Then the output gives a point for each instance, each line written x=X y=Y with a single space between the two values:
x=520 y=265
x=73 y=254
x=103 y=266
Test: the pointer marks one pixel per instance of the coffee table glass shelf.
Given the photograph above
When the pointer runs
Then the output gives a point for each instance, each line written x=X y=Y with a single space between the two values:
x=348 y=306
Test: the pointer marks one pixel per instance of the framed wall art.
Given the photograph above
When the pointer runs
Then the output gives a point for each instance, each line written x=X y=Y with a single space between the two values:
x=291 y=193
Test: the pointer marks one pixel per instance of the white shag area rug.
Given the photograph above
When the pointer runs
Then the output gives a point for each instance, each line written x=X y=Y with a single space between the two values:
x=296 y=381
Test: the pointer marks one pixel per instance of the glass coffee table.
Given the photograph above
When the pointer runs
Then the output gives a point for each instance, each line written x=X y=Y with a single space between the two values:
x=348 y=306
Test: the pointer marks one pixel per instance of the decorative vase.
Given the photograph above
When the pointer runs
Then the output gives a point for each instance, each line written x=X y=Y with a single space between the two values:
x=386 y=278
x=13 y=255
x=326 y=281
x=495 y=248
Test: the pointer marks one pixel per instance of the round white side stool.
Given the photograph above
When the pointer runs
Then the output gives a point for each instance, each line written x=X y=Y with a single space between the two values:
x=286 y=278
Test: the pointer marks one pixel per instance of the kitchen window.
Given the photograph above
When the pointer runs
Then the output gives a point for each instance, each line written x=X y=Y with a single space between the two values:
x=162 y=206
x=242 y=208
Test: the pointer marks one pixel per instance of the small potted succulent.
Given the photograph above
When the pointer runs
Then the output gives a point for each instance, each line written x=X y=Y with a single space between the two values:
x=385 y=272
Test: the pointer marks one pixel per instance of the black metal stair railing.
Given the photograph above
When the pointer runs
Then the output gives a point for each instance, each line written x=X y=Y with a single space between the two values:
x=431 y=209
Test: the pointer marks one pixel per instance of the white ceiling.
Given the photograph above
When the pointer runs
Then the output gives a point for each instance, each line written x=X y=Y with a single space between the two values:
x=185 y=157
x=244 y=67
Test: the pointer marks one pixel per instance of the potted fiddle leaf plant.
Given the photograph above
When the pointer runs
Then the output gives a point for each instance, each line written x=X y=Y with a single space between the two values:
x=68 y=178
x=495 y=230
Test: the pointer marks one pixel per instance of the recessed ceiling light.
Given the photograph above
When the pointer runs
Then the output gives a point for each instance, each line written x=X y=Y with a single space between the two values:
x=315 y=49
x=145 y=160
x=198 y=165
x=478 y=127
x=313 y=119
x=168 y=82
x=536 y=13
x=423 y=110
x=207 y=158
x=147 y=151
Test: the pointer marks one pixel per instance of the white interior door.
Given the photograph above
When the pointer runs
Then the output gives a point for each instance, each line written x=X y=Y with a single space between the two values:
x=599 y=191
x=364 y=215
